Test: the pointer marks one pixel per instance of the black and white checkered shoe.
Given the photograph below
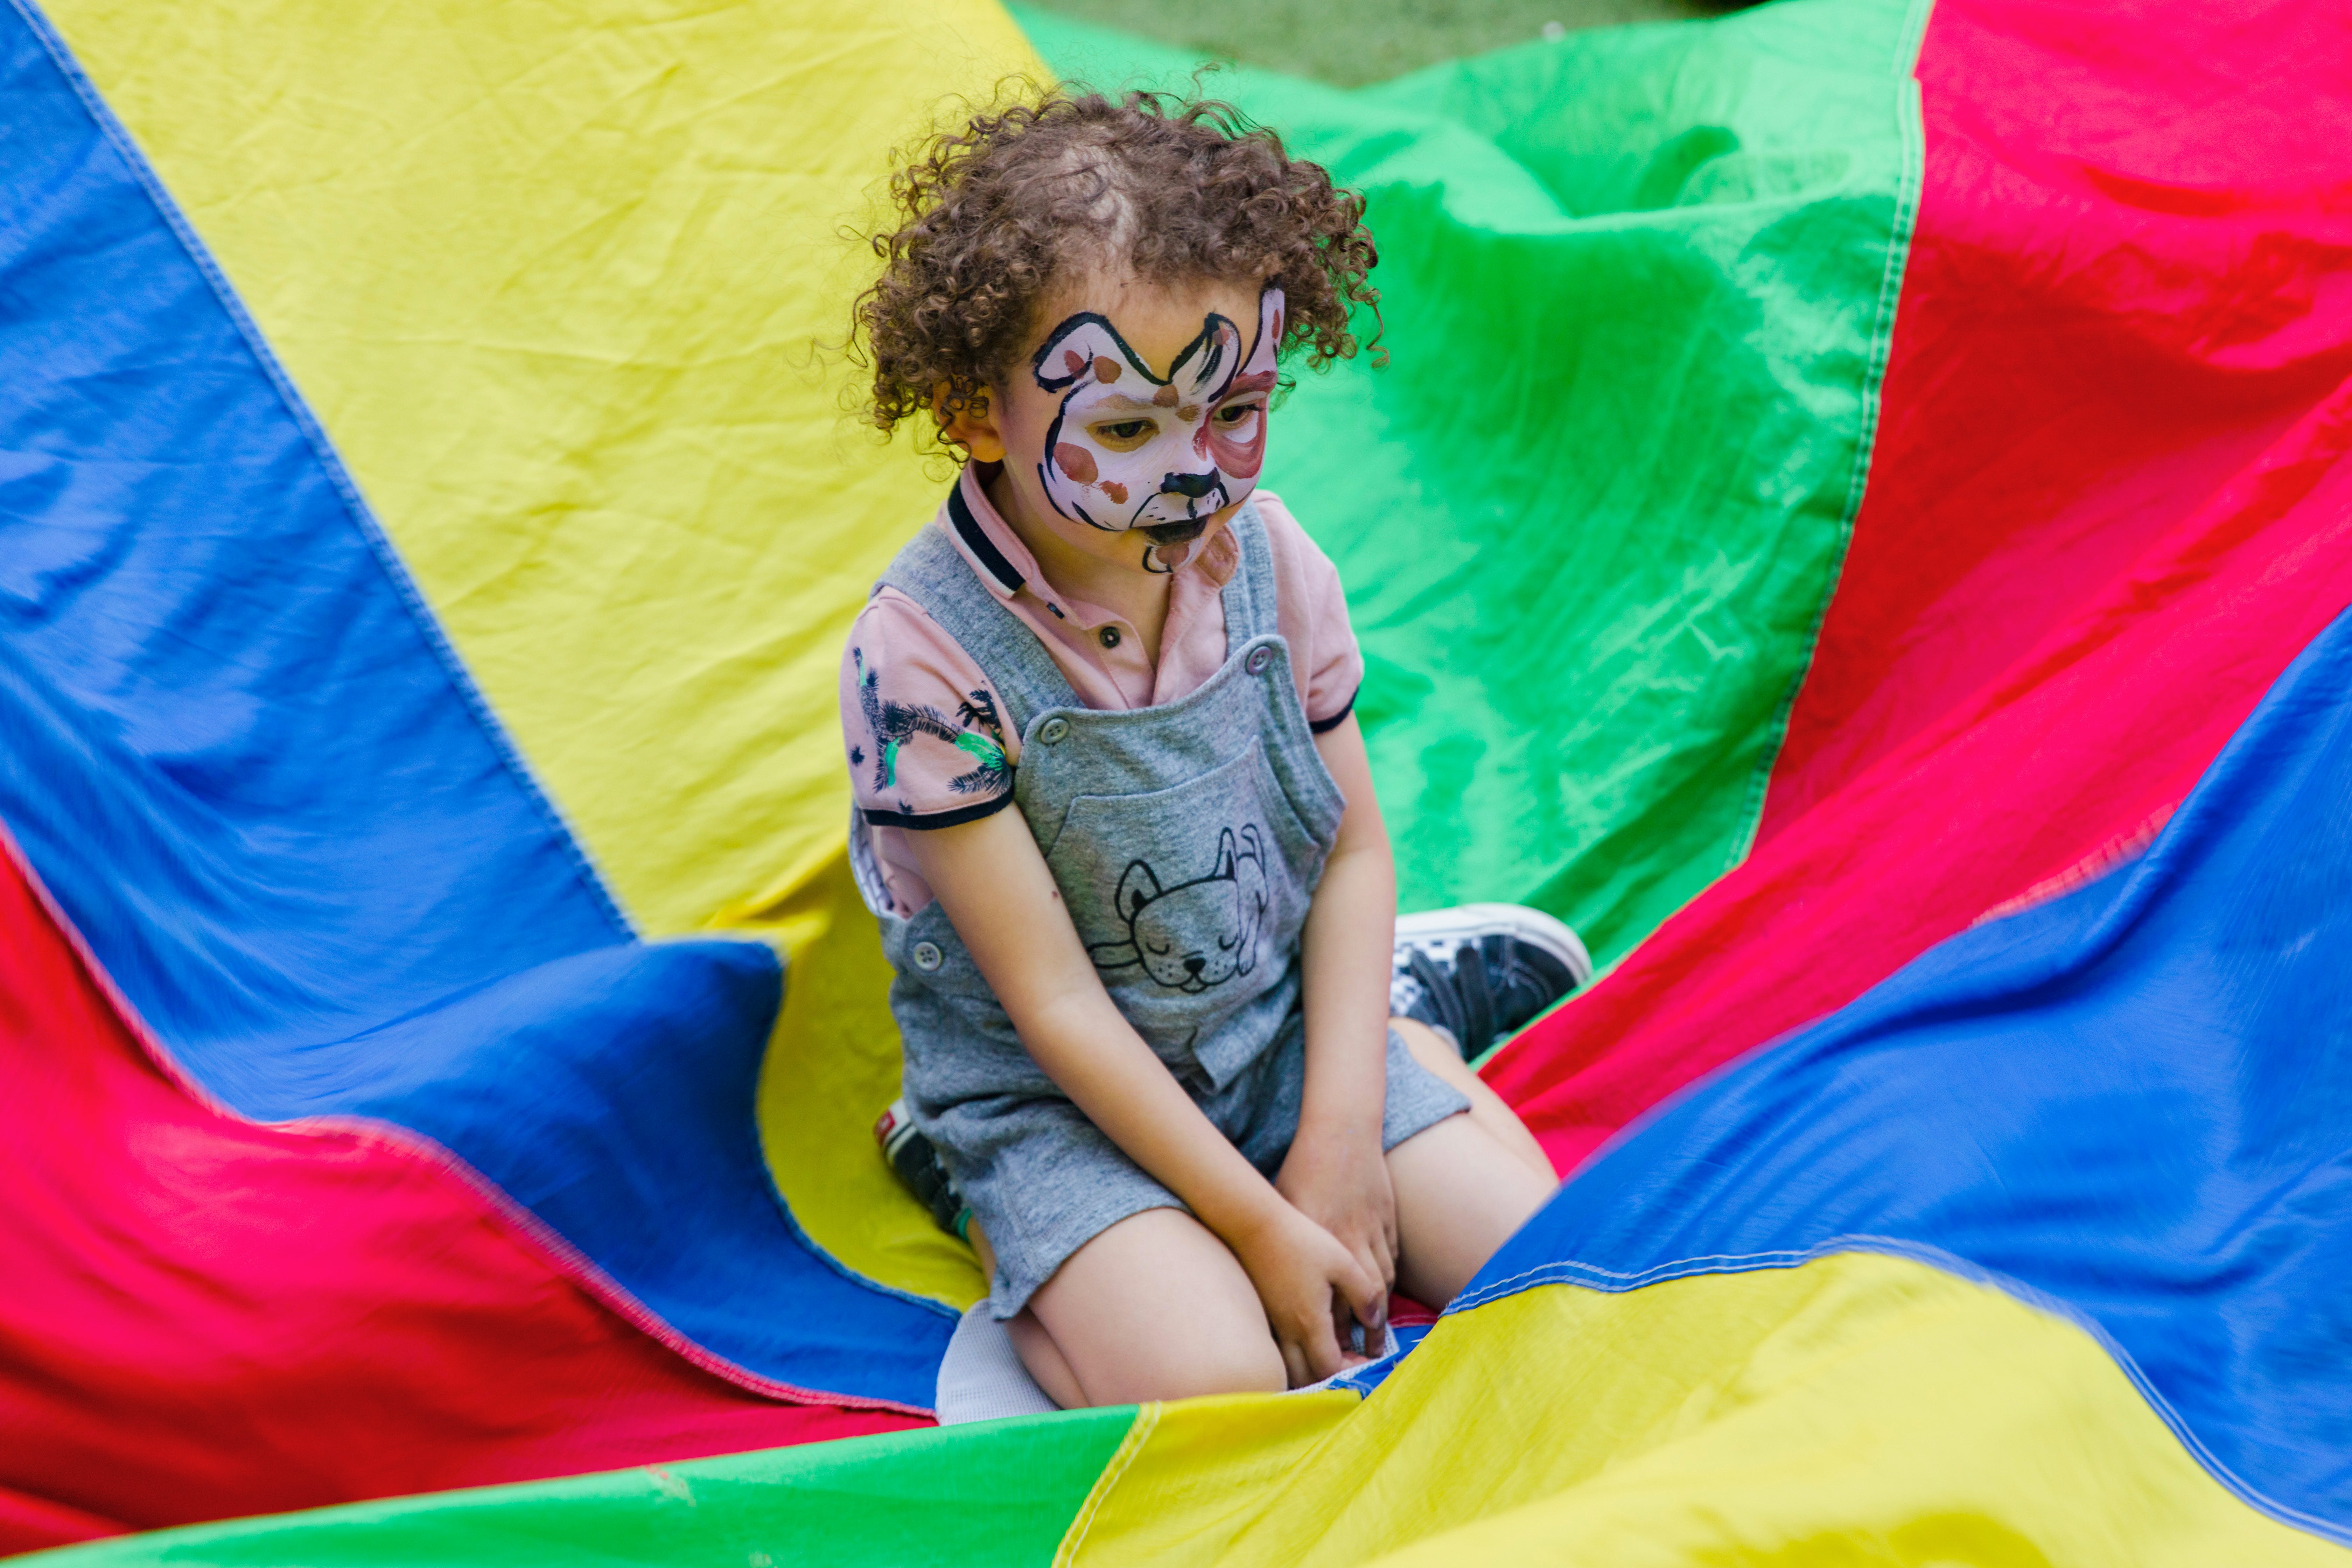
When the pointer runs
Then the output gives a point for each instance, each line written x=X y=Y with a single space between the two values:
x=919 y=1168
x=1479 y=973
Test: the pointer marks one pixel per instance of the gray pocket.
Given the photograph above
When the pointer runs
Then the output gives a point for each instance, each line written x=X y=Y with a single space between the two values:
x=1188 y=898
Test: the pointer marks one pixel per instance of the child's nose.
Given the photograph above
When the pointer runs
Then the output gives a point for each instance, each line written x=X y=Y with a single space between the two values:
x=1191 y=486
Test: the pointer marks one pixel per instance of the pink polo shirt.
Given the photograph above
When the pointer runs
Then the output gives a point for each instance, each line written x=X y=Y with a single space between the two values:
x=920 y=719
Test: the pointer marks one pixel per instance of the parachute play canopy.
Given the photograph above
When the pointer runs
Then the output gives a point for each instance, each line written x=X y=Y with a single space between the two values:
x=1857 y=519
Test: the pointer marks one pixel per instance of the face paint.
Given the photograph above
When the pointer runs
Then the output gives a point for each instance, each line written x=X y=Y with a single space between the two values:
x=1128 y=449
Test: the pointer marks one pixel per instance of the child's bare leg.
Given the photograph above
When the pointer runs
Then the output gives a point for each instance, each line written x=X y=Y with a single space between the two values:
x=1154 y=1308
x=1044 y=1360
x=1030 y=1342
x=1486 y=1107
x=1463 y=1185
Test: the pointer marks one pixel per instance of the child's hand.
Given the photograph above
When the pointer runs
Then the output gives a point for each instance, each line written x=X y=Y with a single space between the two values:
x=1310 y=1286
x=1341 y=1181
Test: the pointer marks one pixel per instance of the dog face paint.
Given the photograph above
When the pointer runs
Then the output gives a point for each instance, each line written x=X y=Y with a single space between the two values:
x=1128 y=449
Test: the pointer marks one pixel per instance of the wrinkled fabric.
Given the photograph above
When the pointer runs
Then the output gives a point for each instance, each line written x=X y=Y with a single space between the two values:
x=2071 y=609
x=2107 y=512
x=2131 y=1106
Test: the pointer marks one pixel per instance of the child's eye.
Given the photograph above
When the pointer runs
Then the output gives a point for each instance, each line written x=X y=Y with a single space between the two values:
x=1123 y=435
x=1234 y=413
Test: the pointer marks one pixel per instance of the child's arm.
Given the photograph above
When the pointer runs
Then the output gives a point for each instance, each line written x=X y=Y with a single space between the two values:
x=1335 y=1173
x=994 y=885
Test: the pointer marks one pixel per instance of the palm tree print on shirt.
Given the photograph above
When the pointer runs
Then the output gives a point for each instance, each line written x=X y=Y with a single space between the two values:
x=894 y=724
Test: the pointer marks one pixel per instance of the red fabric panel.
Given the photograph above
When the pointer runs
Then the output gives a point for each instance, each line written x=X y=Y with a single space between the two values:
x=2107 y=505
x=204 y=1319
x=2122 y=290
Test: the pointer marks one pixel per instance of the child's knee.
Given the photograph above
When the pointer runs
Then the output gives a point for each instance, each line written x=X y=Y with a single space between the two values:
x=1251 y=1365
x=1234 y=1364
x=1184 y=1366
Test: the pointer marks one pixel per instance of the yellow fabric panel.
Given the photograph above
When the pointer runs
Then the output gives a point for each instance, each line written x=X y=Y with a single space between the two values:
x=1209 y=1461
x=1859 y=1410
x=551 y=275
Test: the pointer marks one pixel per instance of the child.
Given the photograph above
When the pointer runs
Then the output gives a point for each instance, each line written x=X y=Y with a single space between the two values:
x=1147 y=1012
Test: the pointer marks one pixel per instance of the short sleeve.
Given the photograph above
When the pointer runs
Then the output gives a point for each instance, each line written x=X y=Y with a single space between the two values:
x=921 y=726
x=1314 y=618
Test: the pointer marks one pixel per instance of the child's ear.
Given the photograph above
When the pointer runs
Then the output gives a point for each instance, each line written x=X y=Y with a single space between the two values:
x=972 y=427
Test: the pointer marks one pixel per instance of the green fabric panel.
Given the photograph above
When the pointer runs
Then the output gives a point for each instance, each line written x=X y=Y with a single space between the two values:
x=999 y=1495
x=1638 y=283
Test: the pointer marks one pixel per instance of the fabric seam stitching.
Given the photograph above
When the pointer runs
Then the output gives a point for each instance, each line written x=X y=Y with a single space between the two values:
x=564 y=1258
x=1147 y=1420
x=1592 y=1276
x=1909 y=186
x=356 y=510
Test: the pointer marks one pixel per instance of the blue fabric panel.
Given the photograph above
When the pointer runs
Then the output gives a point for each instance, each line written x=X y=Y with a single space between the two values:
x=236 y=748
x=2132 y=1106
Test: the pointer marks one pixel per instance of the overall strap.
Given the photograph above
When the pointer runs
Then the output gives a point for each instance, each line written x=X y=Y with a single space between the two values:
x=1249 y=596
x=933 y=572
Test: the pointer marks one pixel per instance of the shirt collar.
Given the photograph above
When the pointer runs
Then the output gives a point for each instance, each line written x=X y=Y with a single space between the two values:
x=1003 y=562
x=984 y=539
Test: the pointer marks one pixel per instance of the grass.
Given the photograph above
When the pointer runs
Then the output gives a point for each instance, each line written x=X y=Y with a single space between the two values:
x=1348 y=43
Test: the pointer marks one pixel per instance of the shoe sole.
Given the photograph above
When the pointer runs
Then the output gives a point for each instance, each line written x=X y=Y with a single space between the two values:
x=1440 y=931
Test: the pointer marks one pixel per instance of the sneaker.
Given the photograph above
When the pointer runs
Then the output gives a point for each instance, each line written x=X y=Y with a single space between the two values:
x=919 y=1168
x=1481 y=972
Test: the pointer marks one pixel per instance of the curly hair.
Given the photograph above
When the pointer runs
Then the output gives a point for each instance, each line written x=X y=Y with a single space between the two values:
x=1162 y=187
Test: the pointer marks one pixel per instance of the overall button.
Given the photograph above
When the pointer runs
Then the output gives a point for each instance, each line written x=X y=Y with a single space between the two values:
x=1107 y=637
x=1259 y=659
x=1052 y=730
x=926 y=956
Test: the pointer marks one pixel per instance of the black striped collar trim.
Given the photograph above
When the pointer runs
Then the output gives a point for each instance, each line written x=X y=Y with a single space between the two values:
x=978 y=548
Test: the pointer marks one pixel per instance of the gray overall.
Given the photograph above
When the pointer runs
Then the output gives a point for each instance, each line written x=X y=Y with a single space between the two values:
x=1186 y=839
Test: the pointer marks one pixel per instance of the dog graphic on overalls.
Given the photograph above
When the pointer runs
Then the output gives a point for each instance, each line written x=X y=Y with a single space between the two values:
x=1198 y=933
